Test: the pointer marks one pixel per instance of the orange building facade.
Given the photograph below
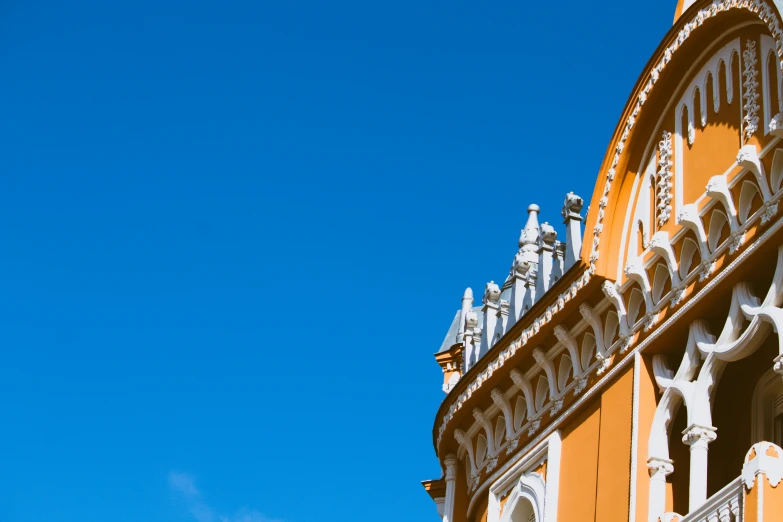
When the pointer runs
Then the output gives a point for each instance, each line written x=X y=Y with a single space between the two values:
x=634 y=371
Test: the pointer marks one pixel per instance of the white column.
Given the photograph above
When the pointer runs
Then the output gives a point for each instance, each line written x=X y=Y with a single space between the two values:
x=698 y=438
x=451 y=487
x=659 y=469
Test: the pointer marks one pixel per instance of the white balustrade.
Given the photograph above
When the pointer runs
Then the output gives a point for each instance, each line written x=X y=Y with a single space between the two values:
x=723 y=506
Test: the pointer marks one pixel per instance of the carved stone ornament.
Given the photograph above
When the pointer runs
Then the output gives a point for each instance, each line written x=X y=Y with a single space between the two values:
x=610 y=290
x=649 y=321
x=750 y=90
x=776 y=125
x=737 y=238
x=605 y=363
x=534 y=427
x=678 y=296
x=657 y=466
x=572 y=206
x=663 y=186
x=699 y=435
x=770 y=209
x=451 y=467
x=778 y=366
x=706 y=269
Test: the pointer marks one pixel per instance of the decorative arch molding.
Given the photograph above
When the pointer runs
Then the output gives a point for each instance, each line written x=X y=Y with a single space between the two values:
x=525 y=484
x=527 y=495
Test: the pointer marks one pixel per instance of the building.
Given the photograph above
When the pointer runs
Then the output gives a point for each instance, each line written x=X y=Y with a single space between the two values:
x=635 y=372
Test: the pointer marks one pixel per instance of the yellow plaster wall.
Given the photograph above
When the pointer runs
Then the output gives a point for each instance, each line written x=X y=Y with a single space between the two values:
x=579 y=465
x=614 y=451
x=596 y=458
x=773 y=501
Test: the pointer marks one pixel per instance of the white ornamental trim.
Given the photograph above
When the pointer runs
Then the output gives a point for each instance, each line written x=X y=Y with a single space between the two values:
x=766 y=14
x=750 y=90
x=664 y=184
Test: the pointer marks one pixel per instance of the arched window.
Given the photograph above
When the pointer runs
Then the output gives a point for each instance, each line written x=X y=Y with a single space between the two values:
x=768 y=409
x=526 y=501
x=523 y=512
x=528 y=491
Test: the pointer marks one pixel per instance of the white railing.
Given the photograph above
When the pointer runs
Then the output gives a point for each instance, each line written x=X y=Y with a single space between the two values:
x=723 y=506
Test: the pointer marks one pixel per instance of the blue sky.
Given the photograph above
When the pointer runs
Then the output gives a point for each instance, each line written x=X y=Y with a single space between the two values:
x=234 y=233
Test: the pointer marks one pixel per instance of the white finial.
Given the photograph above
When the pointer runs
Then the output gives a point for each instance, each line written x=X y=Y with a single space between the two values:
x=468 y=293
x=529 y=235
x=491 y=293
x=548 y=234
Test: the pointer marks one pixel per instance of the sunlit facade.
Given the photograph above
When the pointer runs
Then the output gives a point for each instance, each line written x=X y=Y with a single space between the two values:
x=634 y=371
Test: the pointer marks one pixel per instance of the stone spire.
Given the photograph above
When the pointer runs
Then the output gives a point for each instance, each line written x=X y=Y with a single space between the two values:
x=524 y=266
x=467 y=306
x=528 y=239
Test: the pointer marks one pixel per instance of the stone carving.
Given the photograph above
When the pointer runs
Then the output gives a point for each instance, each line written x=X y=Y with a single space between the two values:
x=572 y=206
x=778 y=366
x=451 y=467
x=605 y=363
x=699 y=435
x=776 y=125
x=657 y=466
x=737 y=238
x=534 y=427
x=750 y=91
x=677 y=297
x=663 y=192
x=770 y=209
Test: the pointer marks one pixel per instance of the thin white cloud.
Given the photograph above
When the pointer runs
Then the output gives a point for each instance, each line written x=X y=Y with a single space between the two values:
x=184 y=487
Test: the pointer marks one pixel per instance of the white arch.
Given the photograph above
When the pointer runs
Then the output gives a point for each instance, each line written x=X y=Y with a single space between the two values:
x=660 y=278
x=748 y=193
x=689 y=249
x=635 y=303
x=588 y=350
x=564 y=371
x=529 y=494
x=718 y=221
